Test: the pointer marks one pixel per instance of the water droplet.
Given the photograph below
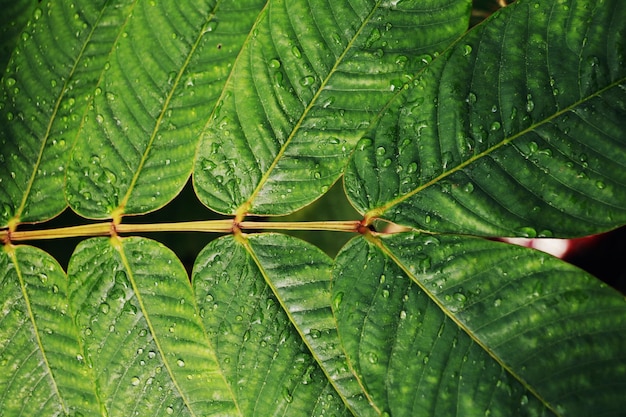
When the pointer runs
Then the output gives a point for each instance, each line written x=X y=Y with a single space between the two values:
x=373 y=37
x=211 y=26
x=528 y=232
x=530 y=104
x=315 y=334
x=37 y=13
x=467 y=49
x=364 y=143
x=497 y=302
x=402 y=315
x=460 y=297
x=100 y=118
x=601 y=185
x=337 y=300
x=411 y=168
x=468 y=188
x=180 y=363
x=495 y=126
x=401 y=60
x=104 y=308
x=296 y=52
x=308 y=80
x=380 y=151
x=471 y=98
x=169 y=410
x=372 y=357
x=134 y=381
x=274 y=63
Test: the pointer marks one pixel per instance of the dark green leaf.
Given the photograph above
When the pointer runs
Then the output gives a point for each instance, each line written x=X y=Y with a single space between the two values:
x=304 y=88
x=263 y=357
x=478 y=328
x=516 y=130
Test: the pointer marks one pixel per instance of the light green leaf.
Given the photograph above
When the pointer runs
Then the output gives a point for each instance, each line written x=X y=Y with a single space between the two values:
x=267 y=361
x=39 y=92
x=142 y=332
x=516 y=130
x=165 y=68
x=42 y=366
x=476 y=327
x=306 y=85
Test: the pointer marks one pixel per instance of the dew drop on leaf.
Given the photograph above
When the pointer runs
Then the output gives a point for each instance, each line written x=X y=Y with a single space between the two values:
x=528 y=232
x=337 y=300
x=211 y=26
x=287 y=395
x=364 y=143
x=180 y=363
x=308 y=80
x=460 y=297
x=274 y=63
x=530 y=104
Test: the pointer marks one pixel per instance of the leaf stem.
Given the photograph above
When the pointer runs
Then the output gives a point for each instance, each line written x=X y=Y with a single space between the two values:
x=331 y=226
x=209 y=226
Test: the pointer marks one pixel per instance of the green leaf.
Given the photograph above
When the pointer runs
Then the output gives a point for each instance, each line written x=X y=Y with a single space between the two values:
x=305 y=86
x=142 y=333
x=478 y=328
x=137 y=140
x=15 y=14
x=43 y=371
x=299 y=275
x=39 y=92
x=264 y=358
x=516 y=130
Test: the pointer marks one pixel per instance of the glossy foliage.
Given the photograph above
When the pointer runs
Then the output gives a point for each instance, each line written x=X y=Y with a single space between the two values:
x=514 y=127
